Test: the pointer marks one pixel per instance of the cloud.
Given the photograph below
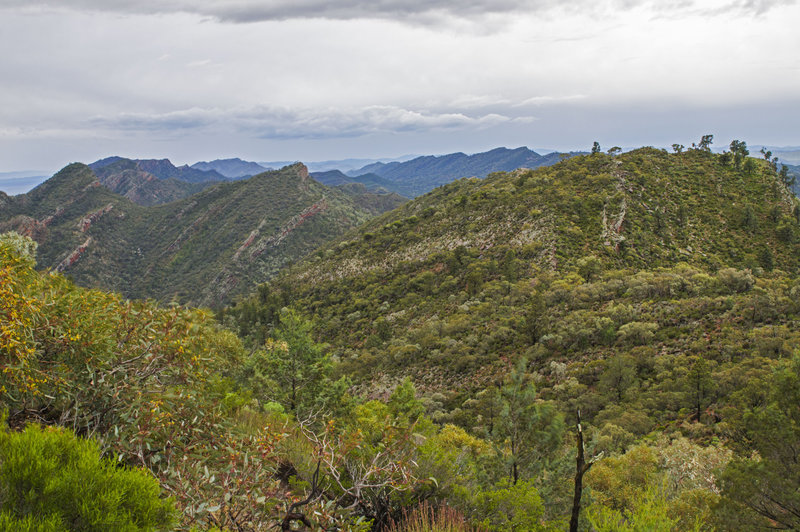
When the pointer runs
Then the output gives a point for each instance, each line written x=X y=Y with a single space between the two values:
x=284 y=123
x=243 y=11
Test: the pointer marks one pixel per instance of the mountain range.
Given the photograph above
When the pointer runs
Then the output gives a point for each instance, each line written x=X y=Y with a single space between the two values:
x=423 y=174
x=201 y=250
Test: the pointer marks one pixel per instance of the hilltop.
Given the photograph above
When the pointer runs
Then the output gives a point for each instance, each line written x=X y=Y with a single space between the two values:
x=200 y=250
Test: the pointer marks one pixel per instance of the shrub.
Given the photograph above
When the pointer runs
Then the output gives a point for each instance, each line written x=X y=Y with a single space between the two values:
x=52 y=480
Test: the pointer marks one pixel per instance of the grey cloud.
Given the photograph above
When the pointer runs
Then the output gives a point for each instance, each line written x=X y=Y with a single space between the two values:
x=187 y=119
x=282 y=123
x=243 y=11
x=258 y=10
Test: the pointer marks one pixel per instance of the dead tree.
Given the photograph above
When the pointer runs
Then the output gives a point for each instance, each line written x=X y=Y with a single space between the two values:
x=582 y=468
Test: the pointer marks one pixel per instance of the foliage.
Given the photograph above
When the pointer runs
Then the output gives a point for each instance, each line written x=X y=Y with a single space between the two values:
x=508 y=506
x=51 y=480
x=144 y=381
x=291 y=369
x=649 y=514
x=767 y=481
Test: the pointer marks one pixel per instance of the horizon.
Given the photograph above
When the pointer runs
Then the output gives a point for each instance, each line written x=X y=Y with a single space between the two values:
x=311 y=81
x=6 y=173
x=17 y=182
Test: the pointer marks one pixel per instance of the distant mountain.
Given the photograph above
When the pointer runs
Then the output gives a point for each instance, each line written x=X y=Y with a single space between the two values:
x=203 y=250
x=233 y=168
x=795 y=171
x=423 y=174
x=13 y=183
x=372 y=182
x=344 y=165
x=129 y=178
x=786 y=154
x=375 y=201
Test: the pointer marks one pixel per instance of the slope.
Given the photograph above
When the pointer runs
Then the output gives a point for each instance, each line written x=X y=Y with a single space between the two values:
x=454 y=285
x=200 y=250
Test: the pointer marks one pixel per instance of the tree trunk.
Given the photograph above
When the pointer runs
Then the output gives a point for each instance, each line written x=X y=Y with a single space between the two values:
x=581 y=468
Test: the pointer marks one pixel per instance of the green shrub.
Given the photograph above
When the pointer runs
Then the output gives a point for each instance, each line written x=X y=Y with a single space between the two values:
x=52 y=480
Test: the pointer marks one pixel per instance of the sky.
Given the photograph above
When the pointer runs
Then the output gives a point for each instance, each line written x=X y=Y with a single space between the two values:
x=264 y=80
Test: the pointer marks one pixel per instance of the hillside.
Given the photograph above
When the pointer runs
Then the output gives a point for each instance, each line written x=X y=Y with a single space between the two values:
x=655 y=295
x=423 y=174
x=441 y=286
x=201 y=250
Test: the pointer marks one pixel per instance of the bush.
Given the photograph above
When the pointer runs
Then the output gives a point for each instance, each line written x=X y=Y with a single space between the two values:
x=52 y=480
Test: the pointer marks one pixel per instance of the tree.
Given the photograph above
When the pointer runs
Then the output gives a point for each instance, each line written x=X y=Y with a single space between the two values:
x=616 y=150
x=705 y=143
x=762 y=490
x=582 y=466
x=535 y=317
x=786 y=178
x=766 y=259
x=740 y=152
x=677 y=148
x=619 y=376
x=529 y=428
x=749 y=220
x=595 y=147
x=293 y=361
x=699 y=385
x=749 y=167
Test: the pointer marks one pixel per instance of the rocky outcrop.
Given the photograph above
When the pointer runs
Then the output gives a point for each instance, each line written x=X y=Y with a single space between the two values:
x=73 y=257
x=87 y=221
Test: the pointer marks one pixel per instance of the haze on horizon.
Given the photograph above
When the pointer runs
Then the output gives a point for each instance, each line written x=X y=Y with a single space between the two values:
x=314 y=80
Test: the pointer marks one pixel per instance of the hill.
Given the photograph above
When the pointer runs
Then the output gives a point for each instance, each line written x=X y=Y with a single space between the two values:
x=441 y=286
x=423 y=174
x=656 y=295
x=232 y=168
x=203 y=249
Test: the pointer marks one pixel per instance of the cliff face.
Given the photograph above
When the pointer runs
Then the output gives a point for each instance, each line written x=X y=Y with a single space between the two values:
x=204 y=249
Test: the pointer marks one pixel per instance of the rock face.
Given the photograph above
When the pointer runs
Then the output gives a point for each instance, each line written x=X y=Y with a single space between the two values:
x=205 y=249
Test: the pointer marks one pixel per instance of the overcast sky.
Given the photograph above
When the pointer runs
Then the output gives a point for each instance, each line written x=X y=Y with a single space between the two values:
x=312 y=80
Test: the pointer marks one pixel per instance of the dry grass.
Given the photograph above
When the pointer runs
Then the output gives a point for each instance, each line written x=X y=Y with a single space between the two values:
x=427 y=518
